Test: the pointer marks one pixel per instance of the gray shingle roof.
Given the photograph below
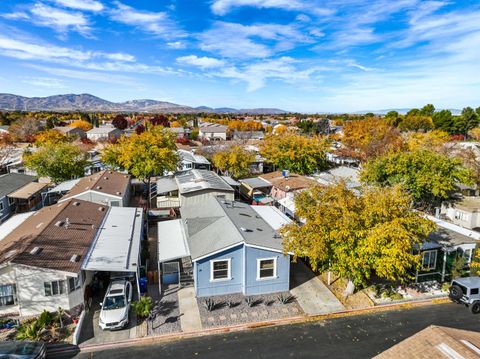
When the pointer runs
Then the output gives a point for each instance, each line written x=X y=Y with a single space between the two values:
x=215 y=224
x=10 y=182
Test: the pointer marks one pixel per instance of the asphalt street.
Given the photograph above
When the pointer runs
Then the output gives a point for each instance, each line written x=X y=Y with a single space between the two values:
x=360 y=336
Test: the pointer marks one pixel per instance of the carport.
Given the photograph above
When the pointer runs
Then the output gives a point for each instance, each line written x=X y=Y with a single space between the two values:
x=172 y=250
x=116 y=248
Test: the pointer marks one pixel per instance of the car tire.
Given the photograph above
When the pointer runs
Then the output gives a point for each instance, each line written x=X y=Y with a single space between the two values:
x=456 y=292
x=475 y=307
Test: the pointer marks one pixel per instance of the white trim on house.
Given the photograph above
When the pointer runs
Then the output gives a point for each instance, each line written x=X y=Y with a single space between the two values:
x=434 y=251
x=267 y=249
x=274 y=268
x=218 y=251
x=90 y=191
x=229 y=269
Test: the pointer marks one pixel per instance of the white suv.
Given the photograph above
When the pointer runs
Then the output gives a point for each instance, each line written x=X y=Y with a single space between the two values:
x=466 y=291
x=116 y=305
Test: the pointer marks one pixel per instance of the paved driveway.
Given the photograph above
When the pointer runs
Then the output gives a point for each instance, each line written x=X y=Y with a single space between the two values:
x=312 y=295
x=92 y=334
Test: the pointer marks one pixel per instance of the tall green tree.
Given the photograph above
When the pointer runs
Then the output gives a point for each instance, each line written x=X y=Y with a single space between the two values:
x=60 y=161
x=443 y=120
x=466 y=121
x=430 y=177
x=356 y=235
x=427 y=110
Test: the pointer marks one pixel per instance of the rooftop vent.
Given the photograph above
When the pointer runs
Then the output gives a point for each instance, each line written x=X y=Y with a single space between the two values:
x=10 y=253
x=67 y=223
x=105 y=178
x=59 y=224
x=110 y=171
x=245 y=215
x=245 y=229
x=36 y=250
x=75 y=258
x=101 y=209
x=76 y=203
x=39 y=225
x=99 y=187
x=119 y=193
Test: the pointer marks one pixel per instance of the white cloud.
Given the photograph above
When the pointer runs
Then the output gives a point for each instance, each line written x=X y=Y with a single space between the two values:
x=87 y=5
x=156 y=23
x=20 y=15
x=176 y=45
x=61 y=21
x=202 y=62
x=235 y=40
x=47 y=82
x=221 y=7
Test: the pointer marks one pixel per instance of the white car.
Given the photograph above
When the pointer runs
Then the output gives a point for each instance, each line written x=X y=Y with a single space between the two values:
x=116 y=305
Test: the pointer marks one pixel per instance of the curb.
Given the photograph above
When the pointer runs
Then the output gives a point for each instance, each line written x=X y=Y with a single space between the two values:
x=248 y=326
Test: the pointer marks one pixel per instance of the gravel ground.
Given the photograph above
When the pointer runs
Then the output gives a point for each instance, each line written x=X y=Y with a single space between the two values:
x=266 y=307
x=167 y=319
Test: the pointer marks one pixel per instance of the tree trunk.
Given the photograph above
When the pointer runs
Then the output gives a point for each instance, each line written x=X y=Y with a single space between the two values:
x=349 y=289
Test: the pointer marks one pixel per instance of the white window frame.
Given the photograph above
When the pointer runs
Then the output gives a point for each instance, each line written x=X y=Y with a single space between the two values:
x=461 y=215
x=61 y=286
x=274 y=268
x=14 y=294
x=229 y=269
x=434 y=263
x=77 y=283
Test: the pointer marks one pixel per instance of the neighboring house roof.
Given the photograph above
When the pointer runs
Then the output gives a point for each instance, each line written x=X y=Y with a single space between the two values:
x=109 y=182
x=348 y=174
x=248 y=134
x=198 y=180
x=58 y=233
x=28 y=190
x=215 y=224
x=66 y=129
x=178 y=129
x=166 y=184
x=256 y=182
x=11 y=182
x=436 y=342
x=212 y=128
x=449 y=235
x=117 y=244
x=189 y=156
x=469 y=204
x=291 y=183
x=64 y=186
x=230 y=181
x=103 y=130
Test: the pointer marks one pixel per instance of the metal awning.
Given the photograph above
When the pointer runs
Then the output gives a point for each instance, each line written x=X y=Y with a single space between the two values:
x=117 y=245
x=64 y=186
x=172 y=241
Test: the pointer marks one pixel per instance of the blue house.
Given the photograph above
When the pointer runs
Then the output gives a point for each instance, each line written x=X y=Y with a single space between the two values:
x=10 y=183
x=233 y=248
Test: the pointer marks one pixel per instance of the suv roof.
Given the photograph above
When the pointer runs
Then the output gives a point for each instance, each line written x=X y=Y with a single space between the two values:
x=117 y=287
x=468 y=281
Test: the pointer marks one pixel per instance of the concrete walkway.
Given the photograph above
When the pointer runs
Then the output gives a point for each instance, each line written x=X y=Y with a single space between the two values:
x=189 y=313
x=313 y=296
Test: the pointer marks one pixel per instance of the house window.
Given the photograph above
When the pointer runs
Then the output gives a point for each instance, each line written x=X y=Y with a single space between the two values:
x=1 y=206
x=8 y=295
x=266 y=268
x=429 y=260
x=11 y=201
x=74 y=284
x=220 y=269
x=461 y=215
x=56 y=287
x=114 y=203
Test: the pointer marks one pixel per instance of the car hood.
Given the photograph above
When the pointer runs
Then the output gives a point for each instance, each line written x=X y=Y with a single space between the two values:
x=113 y=315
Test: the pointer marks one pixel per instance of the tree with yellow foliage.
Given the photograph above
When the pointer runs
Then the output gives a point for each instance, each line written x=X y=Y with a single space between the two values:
x=370 y=138
x=234 y=162
x=150 y=153
x=175 y=124
x=358 y=236
x=81 y=124
x=475 y=133
x=299 y=154
x=432 y=140
x=50 y=136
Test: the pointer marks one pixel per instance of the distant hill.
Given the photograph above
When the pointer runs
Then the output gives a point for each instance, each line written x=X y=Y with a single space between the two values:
x=403 y=111
x=90 y=103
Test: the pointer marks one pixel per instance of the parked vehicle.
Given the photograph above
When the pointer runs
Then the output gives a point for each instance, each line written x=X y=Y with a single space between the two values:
x=23 y=350
x=116 y=305
x=466 y=291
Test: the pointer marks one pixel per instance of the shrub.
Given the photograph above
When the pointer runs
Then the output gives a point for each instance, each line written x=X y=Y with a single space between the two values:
x=250 y=302
x=209 y=304
x=143 y=307
x=284 y=299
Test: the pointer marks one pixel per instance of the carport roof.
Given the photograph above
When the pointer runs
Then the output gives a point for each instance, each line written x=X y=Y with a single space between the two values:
x=117 y=245
x=172 y=241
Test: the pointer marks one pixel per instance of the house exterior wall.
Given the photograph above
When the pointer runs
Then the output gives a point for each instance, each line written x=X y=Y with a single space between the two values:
x=6 y=211
x=253 y=285
x=244 y=267
x=103 y=199
x=461 y=217
x=188 y=199
x=213 y=135
x=204 y=287
x=278 y=193
x=7 y=276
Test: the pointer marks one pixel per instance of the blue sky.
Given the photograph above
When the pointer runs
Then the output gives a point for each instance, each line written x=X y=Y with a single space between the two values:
x=299 y=55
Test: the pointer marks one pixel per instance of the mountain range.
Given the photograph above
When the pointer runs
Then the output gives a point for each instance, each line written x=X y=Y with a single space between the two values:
x=90 y=103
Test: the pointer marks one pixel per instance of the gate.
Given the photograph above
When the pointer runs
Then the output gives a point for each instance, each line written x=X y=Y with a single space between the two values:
x=171 y=273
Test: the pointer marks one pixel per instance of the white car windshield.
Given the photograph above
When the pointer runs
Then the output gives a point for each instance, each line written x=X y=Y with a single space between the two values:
x=114 y=302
